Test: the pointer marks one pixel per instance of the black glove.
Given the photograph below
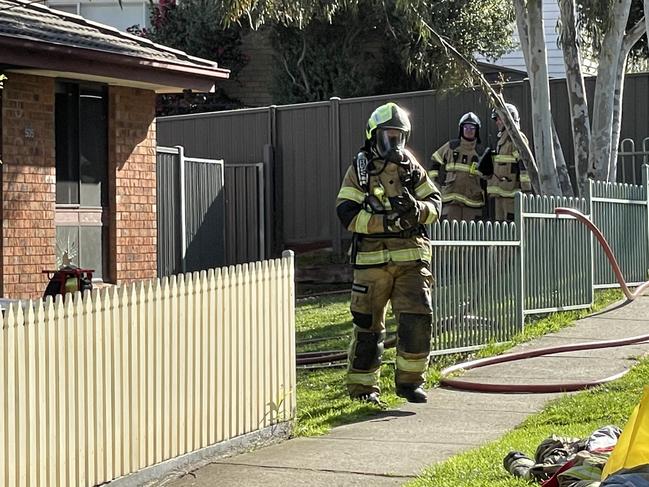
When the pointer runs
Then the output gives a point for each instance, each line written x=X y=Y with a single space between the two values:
x=373 y=204
x=406 y=211
x=405 y=204
x=485 y=162
x=393 y=222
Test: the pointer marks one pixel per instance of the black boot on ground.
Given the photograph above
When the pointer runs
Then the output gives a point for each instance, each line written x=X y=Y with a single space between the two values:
x=412 y=393
x=369 y=397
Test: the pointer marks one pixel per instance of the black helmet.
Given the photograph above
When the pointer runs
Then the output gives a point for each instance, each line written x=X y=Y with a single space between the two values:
x=385 y=117
x=473 y=119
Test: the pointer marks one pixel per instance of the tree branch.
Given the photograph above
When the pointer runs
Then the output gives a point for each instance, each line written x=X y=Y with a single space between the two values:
x=307 y=88
x=633 y=36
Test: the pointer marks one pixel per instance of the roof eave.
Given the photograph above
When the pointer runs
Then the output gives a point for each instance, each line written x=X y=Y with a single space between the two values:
x=55 y=57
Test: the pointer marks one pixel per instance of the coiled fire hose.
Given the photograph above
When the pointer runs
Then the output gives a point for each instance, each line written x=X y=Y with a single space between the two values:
x=554 y=387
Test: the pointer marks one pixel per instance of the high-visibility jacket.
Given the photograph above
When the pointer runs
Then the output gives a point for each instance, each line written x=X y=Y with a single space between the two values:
x=372 y=244
x=455 y=168
x=509 y=173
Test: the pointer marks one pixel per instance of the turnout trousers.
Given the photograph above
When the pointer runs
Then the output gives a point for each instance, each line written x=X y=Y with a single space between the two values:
x=407 y=286
x=459 y=212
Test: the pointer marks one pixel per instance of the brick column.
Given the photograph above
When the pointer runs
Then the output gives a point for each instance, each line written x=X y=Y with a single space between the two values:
x=28 y=185
x=132 y=184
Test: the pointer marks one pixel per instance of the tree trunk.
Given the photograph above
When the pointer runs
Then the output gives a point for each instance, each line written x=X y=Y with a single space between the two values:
x=630 y=39
x=579 y=118
x=646 y=16
x=562 y=168
x=600 y=142
x=530 y=29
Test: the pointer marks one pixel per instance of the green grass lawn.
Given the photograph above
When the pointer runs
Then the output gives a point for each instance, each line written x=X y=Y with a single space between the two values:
x=575 y=415
x=325 y=324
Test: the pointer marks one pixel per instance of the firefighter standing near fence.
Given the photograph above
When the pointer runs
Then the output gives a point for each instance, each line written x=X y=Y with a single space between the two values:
x=455 y=168
x=509 y=173
x=385 y=200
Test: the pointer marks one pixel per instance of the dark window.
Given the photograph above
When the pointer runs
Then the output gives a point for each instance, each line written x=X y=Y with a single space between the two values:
x=81 y=123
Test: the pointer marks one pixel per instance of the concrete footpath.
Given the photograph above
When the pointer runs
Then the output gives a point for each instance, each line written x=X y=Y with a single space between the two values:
x=392 y=447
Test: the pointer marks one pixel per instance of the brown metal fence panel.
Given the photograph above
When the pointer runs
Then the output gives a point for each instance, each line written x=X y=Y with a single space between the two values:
x=308 y=168
x=205 y=214
x=308 y=147
x=237 y=136
x=244 y=213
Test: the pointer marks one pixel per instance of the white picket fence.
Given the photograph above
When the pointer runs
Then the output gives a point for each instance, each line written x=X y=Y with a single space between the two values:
x=98 y=387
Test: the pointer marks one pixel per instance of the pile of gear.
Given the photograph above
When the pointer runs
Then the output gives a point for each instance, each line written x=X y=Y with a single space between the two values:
x=574 y=462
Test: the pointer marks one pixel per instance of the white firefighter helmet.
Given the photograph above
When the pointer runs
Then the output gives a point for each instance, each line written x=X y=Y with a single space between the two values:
x=513 y=111
x=473 y=119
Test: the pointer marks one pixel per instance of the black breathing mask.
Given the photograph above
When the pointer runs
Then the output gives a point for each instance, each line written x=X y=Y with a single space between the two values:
x=390 y=144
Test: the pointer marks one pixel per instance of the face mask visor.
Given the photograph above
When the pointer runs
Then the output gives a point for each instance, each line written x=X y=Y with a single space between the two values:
x=390 y=140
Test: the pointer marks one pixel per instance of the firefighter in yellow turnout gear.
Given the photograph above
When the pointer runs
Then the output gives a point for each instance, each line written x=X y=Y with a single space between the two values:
x=455 y=168
x=385 y=200
x=509 y=173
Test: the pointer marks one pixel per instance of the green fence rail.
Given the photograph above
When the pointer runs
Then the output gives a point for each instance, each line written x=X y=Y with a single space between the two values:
x=557 y=262
x=476 y=296
x=489 y=276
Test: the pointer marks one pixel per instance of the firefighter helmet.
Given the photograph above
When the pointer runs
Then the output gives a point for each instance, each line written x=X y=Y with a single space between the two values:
x=513 y=111
x=473 y=119
x=470 y=117
x=385 y=117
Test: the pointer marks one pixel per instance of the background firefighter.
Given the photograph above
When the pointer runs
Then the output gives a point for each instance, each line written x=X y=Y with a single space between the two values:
x=455 y=168
x=509 y=173
x=385 y=200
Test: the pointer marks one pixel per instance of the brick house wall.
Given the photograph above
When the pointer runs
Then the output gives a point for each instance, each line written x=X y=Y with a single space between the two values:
x=28 y=184
x=132 y=184
x=28 y=238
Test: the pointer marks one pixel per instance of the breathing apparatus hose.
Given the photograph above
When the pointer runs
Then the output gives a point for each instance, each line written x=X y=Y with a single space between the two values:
x=553 y=387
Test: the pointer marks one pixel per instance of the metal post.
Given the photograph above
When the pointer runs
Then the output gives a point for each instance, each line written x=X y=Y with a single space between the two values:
x=183 y=208
x=645 y=187
x=276 y=182
x=261 y=189
x=334 y=128
x=591 y=248
x=520 y=292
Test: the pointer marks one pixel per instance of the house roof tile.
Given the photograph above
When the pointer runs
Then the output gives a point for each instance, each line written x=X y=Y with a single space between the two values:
x=32 y=21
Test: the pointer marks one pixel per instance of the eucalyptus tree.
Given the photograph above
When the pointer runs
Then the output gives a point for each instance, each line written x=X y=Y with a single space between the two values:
x=607 y=31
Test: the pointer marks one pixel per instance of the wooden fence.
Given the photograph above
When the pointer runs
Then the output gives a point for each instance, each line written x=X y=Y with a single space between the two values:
x=96 y=387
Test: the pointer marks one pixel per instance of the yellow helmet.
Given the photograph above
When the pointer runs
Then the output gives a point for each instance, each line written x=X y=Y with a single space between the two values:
x=386 y=117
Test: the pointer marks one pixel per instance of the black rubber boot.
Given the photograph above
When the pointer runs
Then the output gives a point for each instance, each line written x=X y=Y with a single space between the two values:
x=412 y=393
x=369 y=397
x=517 y=464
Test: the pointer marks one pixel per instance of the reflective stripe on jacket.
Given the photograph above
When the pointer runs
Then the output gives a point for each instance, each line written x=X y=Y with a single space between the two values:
x=363 y=221
x=455 y=169
x=510 y=175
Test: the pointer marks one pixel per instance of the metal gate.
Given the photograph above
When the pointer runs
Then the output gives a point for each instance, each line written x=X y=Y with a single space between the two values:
x=191 y=212
x=217 y=217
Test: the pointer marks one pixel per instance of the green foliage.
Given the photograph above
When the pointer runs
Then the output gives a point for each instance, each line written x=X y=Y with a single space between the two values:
x=196 y=27
x=375 y=47
x=352 y=56
x=593 y=19
x=188 y=102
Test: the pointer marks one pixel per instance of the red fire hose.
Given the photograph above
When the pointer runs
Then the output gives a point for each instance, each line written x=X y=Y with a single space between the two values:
x=555 y=387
